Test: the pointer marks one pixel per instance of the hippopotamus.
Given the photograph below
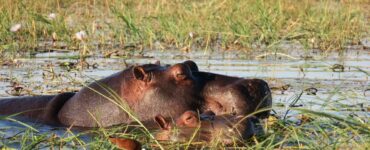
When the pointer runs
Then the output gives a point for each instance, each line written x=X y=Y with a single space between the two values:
x=143 y=91
x=43 y=108
x=233 y=95
x=227 y=129
x=140 y=91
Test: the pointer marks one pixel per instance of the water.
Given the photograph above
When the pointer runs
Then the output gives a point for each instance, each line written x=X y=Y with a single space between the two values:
x=341 y=93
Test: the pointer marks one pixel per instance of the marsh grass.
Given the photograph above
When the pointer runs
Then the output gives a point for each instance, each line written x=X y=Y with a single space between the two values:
x=186 y=25
x=305 y=129
x=323 y=131
x=313 y=130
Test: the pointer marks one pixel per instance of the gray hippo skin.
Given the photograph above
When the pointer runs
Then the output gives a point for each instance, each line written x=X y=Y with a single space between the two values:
x=147 y=90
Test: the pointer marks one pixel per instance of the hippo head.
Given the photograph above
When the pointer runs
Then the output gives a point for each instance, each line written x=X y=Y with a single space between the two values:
x=152 y=74
x=226 y=129
x=168 y=90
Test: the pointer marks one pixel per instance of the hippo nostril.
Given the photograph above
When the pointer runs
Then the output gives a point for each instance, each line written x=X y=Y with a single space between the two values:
x=233 y=111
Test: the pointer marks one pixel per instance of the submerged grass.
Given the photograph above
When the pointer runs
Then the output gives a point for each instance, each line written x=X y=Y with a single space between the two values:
x=167 y=24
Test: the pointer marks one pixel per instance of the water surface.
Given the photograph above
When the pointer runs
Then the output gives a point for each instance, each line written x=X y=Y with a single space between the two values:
x=340 y=92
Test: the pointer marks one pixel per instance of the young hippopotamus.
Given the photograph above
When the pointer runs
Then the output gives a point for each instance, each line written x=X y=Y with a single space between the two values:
x=140 y=91
x=225 y=129
x=232 y=95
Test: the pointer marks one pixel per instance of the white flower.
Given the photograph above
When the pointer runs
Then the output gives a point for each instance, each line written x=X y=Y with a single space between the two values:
x=191 y=34
x=80 y=35
x=15 y=27
x=54 y=36
x=52 y=16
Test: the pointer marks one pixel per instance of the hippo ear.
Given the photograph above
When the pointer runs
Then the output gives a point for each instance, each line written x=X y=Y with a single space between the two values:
x=123 y=143
x=161 y=121
x=192 y=65
x=139 y=73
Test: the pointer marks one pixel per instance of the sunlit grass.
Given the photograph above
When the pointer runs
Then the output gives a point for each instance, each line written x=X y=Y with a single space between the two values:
x=324 y=128
x=193 y=25
x=308 y=129
x=323 y=131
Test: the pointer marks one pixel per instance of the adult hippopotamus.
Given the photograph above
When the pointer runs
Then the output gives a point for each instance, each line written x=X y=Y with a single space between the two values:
x=233 y=95
x=43 y=108
x=142 y=91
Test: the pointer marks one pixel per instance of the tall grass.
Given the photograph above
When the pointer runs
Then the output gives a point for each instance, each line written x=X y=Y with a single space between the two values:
x=232 y=24
x=321 y=131
x=308 y=129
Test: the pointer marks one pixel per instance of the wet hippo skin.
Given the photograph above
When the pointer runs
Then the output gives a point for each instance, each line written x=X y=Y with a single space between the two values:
x=126 y=144
x=146 y=90
x=42 y=109
x=226 y=129
x=232 y=95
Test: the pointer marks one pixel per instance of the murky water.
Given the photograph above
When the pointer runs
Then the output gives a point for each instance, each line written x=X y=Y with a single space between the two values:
x=339 y=90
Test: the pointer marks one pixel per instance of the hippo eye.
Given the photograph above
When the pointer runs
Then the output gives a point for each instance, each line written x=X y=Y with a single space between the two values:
x=189 y=118
x=233 y=111
x=181 y=76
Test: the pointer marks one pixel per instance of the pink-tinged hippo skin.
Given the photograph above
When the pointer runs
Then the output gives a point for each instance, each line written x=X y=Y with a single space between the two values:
x=233 y=95
x=226 y=129
x=145 y=89
x=206 y=127
x=43 y=109
x=126 y=144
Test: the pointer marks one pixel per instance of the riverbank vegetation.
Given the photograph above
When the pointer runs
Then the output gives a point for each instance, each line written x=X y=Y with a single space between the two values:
x=312 y=130
x=338 y=119
x=31 y=26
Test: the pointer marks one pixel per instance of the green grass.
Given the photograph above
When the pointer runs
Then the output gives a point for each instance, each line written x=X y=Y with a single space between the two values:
x=307 y=129
x=321 y=131
x=229 y=24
